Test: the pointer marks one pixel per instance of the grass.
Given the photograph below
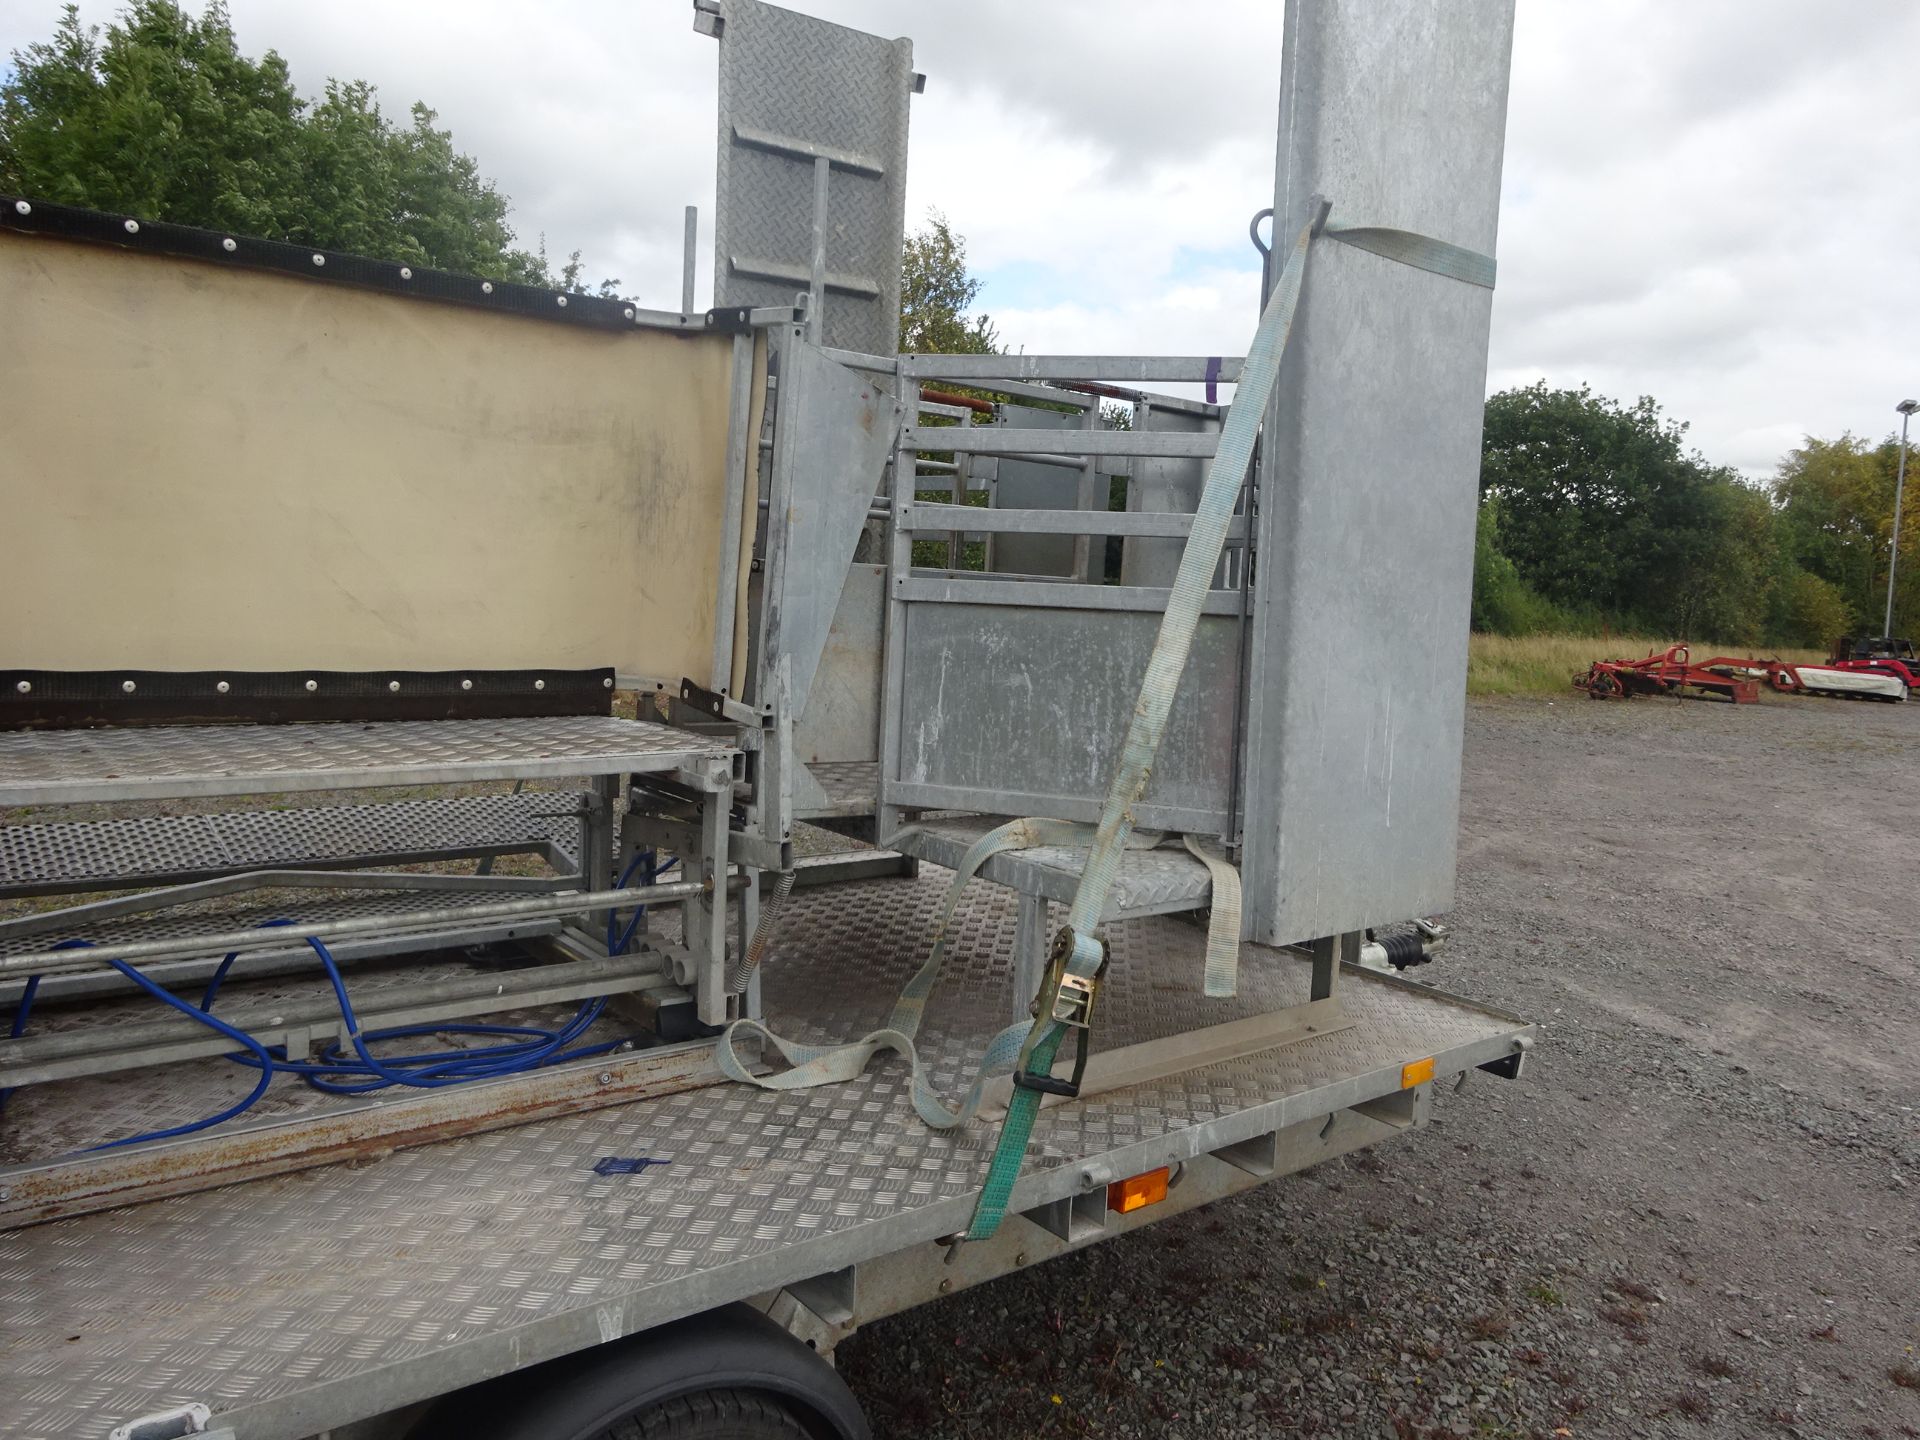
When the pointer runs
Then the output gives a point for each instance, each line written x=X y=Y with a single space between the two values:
x=1545 y=664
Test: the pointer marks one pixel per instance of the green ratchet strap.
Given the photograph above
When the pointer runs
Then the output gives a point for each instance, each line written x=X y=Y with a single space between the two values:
x=823 y=1064
x=1077 y=958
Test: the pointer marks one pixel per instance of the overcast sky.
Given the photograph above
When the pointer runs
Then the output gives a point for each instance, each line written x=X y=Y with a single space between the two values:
x=1713 y=203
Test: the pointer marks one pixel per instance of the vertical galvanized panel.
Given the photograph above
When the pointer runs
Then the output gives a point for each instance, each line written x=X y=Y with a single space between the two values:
x=834 y=431
x=1396 y=111
x=794 y=90
x=1034 y=485
x=1166 y=484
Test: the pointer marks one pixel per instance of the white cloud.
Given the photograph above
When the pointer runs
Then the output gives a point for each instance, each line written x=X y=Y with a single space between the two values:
x=1709 y=203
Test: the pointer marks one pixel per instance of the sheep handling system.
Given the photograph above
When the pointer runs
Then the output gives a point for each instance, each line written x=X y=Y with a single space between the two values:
x=420 y=1020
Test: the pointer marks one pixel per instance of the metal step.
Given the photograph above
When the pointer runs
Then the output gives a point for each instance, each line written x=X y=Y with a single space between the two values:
x=64 y=767
x=848 y=788
x=62 y=857
x=1164 y=881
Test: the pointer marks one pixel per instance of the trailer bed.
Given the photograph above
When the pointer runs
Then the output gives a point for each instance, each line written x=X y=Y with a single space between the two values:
x=298 y=1303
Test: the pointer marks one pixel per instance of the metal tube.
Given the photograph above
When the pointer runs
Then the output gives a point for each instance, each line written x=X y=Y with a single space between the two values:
x=687 y=259
x=48 y=961
x=817 y=286
x=1906 y=409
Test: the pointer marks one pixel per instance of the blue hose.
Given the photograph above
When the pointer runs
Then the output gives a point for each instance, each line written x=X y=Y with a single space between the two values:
x=24 y=1009
x=338 y=1073
x=618 y=940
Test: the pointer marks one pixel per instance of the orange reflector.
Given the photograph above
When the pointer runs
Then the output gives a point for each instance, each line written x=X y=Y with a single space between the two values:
x=1416 y=1072
x=1138 y=1191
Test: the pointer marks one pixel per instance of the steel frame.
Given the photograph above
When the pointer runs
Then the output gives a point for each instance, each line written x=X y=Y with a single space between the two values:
x=1080 y=447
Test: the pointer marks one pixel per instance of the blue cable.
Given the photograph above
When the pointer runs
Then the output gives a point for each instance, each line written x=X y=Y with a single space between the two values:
x=618 y=946
x=337 y=1073
x=265 y=1062
x=435 y=1069
x=25 y=1008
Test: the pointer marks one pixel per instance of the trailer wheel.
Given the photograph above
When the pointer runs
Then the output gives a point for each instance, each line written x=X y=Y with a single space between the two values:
x=729 y=1374
x=711 y=1415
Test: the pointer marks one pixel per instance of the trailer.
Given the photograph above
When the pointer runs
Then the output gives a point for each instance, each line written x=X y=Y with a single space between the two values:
x=423 y=1022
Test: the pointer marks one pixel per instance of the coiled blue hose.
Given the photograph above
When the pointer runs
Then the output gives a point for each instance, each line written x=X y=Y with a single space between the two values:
x=337 y=1072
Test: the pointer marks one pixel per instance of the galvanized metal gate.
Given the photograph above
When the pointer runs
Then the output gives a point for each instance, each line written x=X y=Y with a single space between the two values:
x=1007 y=692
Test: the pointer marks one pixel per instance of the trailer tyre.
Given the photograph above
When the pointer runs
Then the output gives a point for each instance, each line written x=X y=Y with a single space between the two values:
x=711 y=1415
x=728 y=1374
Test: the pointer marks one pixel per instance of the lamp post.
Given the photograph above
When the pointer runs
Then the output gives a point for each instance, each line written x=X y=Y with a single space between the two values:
x=1906 y=409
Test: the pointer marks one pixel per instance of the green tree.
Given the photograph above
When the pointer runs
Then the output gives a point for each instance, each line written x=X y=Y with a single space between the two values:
x=1604 y=512
x=166 y=119
x=935 y=293
x=1835 y=501
x=1503 y=603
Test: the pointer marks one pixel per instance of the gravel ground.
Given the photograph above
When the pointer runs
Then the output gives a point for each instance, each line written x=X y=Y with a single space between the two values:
x=1698 y=1215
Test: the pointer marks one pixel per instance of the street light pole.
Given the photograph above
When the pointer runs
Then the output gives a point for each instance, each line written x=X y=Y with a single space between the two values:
x=1906 y=409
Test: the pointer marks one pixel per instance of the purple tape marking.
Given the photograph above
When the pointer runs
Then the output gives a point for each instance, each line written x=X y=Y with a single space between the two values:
x=1213 y=379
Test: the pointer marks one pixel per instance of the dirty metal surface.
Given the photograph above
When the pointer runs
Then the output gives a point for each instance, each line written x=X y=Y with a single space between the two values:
x=297 y=1303
x=48 y=856
x=849 y=787
x=1162 y=881
x=74 y=766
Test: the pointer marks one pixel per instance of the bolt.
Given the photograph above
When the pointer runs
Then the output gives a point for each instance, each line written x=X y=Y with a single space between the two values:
x=486 y=287
x=406 y=272
x=127 y=686
x=25 y=687
x=25 y=209
x=133 y=227
x=539 y=684
x=466 y=684
x=229 y=244
x=5 y=1195
x=605 y=1077
x=319 y=259
x=561 y=301
x=394 y=686
x=312 y=685
x=607 y=684
x=223 y=687
x=945 y=1286
x=1021 y=1258
x=628 y=312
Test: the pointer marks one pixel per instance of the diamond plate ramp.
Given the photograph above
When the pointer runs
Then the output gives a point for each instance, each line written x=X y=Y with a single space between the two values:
x=793 y=88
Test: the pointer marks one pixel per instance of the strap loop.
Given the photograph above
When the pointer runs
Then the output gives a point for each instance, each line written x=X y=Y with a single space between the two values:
x=1422 y=252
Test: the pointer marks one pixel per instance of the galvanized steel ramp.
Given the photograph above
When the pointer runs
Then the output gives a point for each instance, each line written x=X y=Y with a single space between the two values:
x=298 y=1303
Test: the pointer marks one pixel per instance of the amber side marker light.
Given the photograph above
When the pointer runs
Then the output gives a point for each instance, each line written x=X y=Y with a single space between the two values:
x=1416 y=1072
x=1137 y=1192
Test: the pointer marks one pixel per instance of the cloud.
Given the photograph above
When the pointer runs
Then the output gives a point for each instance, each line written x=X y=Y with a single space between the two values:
x=1708 y=203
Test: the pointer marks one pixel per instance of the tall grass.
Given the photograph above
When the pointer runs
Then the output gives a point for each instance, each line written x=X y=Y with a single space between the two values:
x=1546 y=664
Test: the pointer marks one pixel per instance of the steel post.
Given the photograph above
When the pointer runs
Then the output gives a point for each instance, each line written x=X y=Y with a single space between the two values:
x=1906 y=409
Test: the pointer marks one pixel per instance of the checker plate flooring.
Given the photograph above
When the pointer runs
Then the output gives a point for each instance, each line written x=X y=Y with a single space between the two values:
x=283 y=1303
x=74 y=766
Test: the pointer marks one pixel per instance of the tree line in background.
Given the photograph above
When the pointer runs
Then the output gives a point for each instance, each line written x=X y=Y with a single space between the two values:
x=166 y=119
x=1594 y=516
